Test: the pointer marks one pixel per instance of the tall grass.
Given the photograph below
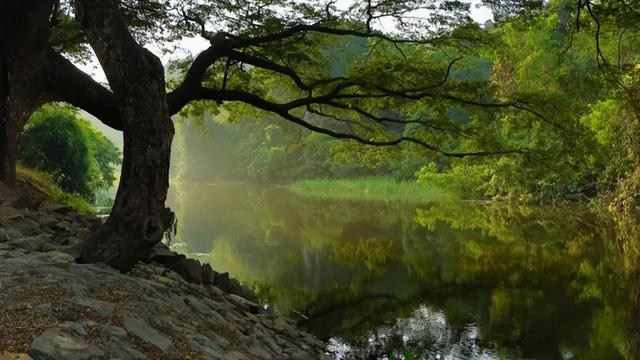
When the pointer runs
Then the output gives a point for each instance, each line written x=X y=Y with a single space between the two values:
x=369 y=189
x=43 y=182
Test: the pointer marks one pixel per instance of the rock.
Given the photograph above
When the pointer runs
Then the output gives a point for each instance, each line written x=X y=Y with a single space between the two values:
x=28 y=201
x=197 y=305
x=27 y=227
x=160 y=252
x=193 y=270
x=206 y=345
x=100 y=308
x=53 y=257
x=245 y=304
x=34 y=243
x=115 y=332
x=9 y=213
x=207 y=274
x=119 y=345
x=55 y=345
x=50 y=206
x=249 y=295
x=119 y=350
x=78 y=329
x=122 y=351
x=14 y=356
x=4 y=236
x=148 y=334
x=259 y=351
x=189 y=269
x=235 y=355
x=218 y=318
x=302 y=355
x=223 y=281
x=68 y=240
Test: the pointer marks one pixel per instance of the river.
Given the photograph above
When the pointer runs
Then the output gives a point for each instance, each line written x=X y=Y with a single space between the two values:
x=451 y=280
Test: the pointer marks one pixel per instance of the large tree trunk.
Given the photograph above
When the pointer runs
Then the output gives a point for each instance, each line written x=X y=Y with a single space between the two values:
x=139 y=218
x=24 y=71
x=7 y=144
x=8 y=147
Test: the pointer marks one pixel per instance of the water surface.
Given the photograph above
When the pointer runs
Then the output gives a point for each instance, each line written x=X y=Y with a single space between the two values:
x=448 y=280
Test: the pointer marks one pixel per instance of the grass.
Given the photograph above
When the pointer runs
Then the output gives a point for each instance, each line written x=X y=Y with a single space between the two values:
x=43 y=182
x=369 y=189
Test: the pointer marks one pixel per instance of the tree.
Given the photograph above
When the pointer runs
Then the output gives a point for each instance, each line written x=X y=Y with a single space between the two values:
x=254 y=44
x=78 y=158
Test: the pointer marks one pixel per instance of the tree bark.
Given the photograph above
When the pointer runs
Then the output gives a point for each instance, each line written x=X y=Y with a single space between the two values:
x=24 y=70
x=139 y=218
x=7 y=143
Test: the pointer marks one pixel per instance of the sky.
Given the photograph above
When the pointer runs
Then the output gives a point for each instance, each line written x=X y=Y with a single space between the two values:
x=193 y=46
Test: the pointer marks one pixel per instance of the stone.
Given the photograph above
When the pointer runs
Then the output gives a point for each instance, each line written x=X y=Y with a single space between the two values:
x=207 y=274
x=235 y=355
x=189 y=269
x=148 y=334
x=193 y=270
x=206 y=345
x=14 y=356
x=68 y=240
x=27 y=227
x=302 y=355
x=4 y=236
x=249 y=295
x=259 y=352
x=159 y=252
x=9 y=213
x=118 y=350
x=100 y=308
x=116 y=333
x=245 y=304
x=78 y=329
x=50 y=206
x=223 y=281
x=197 y=305
x=55 y=345
x=217 y=317
x=34 y=243
x=53 y=257
x=215 y=291
x=28 y=201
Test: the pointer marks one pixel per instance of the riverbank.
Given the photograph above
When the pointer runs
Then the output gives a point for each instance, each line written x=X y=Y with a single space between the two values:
x=52 y=307
x=369 y=189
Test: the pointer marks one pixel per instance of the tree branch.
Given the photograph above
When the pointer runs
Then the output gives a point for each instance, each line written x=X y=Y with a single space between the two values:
x=283 y=111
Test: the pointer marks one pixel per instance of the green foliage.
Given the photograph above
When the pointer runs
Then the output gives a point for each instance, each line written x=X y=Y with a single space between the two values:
x=376 y=189
x=465 y=181
x=577 y=143
x=75 y=155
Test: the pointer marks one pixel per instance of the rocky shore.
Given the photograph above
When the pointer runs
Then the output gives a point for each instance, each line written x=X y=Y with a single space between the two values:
x=171 y=307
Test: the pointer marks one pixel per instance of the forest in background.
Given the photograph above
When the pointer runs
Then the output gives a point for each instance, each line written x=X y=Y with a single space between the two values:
x=583 y=149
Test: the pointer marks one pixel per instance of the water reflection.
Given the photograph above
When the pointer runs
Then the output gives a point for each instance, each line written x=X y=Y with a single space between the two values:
x=447 y=280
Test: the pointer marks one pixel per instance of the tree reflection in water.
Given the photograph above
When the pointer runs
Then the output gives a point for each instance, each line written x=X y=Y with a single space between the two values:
x=458 y=279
